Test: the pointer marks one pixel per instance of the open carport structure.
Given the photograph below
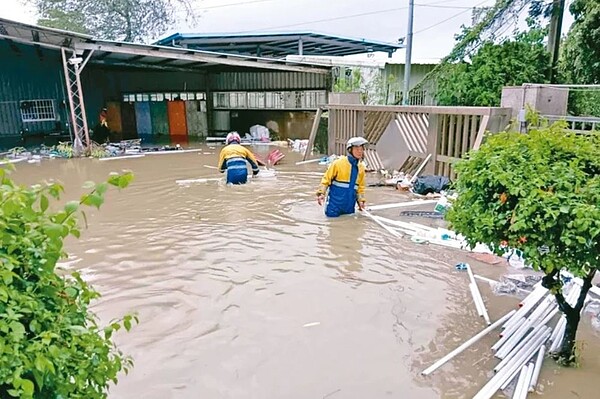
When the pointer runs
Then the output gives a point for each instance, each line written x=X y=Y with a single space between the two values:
x=55 y=80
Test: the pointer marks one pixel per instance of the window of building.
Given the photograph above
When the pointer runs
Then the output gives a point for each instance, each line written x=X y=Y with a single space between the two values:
x=37 y=110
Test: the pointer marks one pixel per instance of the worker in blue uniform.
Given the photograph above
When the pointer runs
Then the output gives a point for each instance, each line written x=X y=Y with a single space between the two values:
x=344 y=181
x=233 y=159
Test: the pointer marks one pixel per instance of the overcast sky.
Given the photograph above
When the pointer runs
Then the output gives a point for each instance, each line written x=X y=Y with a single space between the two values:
x=435 y=21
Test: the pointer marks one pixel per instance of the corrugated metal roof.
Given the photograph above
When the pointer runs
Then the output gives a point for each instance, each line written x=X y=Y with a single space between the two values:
x=145 y=56
x=279 y=44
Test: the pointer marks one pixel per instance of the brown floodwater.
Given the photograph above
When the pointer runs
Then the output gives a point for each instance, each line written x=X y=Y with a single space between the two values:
x=251 y=292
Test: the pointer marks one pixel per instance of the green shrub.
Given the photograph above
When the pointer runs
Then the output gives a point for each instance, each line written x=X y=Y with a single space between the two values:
x=51 y=345
x=539 y=193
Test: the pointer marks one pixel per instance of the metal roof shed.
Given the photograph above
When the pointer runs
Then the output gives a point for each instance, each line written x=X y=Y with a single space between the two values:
x=106 y=68
x=279 y=44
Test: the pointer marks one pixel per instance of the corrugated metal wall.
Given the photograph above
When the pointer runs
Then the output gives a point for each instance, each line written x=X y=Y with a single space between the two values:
x=27 y=74
x=268 y=81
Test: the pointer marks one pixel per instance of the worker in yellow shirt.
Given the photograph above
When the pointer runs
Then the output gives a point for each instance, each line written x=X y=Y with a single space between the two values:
x=345 y=180
x=233 y=159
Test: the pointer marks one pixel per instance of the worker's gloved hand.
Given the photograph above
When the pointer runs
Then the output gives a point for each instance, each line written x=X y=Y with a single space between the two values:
x=255 y=172
x=362 y=205
x=320 y=199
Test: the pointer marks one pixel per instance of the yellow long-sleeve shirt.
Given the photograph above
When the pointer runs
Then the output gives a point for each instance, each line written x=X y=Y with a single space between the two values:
x=236 y=151
x=340 y=171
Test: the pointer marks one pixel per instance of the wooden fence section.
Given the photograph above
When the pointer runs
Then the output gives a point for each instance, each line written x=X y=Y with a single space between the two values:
x=447 y=133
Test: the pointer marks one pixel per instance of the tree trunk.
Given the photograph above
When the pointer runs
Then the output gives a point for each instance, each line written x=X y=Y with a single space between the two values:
x=566 y=356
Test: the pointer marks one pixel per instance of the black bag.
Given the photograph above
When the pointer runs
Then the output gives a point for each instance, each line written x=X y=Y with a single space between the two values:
x=431 y=184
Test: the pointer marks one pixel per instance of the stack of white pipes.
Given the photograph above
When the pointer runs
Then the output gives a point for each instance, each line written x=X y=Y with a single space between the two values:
x=522 y=345
x=523 y=340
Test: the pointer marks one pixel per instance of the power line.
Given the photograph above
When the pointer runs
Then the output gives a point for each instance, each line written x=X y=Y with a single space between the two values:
x=449 y=18
x=242 y=3
x=328 y=19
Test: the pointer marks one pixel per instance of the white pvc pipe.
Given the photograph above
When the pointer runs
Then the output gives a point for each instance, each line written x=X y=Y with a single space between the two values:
x=538 y=367
x=561 y=322
x=191 y=181
x=507 y=332
x=387 y=228
x=496 y=381
x=210 y=167
x=485 y=315
x=309 y=161
x=536 y=295
x=527 y=381
x=521 y=332
x=476 y=300
x=171 y=152
x=523 y=345
x=520 y=381
x=468 y=343
x=400 y=205
x=416 y=175
x=121 y=157
x=403 y=225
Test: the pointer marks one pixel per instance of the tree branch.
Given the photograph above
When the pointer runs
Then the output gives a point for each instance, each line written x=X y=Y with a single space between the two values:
x=587 y=284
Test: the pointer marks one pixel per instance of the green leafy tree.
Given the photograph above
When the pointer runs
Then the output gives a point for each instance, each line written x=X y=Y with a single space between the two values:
x=540 y=193
x=479 y=82
x=580 y=61
x=51 y=345
x=127 y=20
x=580 y=57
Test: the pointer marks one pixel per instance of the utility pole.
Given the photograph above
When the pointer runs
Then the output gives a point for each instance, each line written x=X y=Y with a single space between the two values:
x=409 y=37
x=554 y=34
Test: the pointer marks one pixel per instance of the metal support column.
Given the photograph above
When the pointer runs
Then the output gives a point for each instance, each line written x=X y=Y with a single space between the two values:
x=79 y=126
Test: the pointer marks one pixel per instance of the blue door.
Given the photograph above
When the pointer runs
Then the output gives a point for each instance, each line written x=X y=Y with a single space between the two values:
x=143 y=118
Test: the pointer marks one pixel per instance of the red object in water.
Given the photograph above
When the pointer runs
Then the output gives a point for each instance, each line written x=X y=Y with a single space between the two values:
x=275 y=156
x=272 y=159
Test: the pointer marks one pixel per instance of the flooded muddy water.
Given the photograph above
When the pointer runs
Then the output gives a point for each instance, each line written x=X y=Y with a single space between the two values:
x=251 y=292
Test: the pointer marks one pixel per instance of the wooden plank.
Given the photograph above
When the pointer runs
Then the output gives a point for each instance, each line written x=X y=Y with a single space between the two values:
x=458 y=135
x=433 y=143
x=465 y=136
x=313 y=134
x=422 y=122
x=400 y=121
x=451 y=136
x=482 y=128
x=445 y=110
x=473 y=134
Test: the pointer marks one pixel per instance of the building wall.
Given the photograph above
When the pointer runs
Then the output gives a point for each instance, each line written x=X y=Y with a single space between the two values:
x=394 y=76
x=250 y=81
x=25 y=75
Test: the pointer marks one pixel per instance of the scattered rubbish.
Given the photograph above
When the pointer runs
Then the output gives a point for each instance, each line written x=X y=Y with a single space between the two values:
x=461 y=266
x=298 y=145
x=260 y=133
x=430 y=184
x=425 y=214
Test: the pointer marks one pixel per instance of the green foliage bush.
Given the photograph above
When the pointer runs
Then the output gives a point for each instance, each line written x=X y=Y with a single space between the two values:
x=539 y=193
x=51 y=345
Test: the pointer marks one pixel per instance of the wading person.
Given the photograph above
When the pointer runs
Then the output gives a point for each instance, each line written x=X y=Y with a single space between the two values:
x=344 y=181
x=233 y=159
